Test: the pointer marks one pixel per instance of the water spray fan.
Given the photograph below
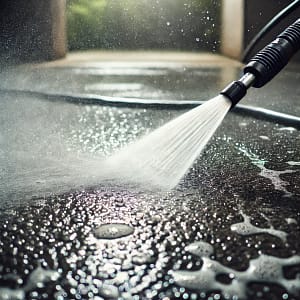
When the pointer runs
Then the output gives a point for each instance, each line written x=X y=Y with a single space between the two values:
x=163 y=157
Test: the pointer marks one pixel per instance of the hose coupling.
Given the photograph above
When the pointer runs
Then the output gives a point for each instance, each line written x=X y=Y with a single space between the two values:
x=236 y=90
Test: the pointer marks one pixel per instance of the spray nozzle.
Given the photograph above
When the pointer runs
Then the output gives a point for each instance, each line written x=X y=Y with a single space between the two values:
x=266 y=63
x=236 y=90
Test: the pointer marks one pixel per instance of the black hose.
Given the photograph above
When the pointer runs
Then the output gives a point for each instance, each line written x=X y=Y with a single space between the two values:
x=266 y=64
x=93 y=99
x=274 y=21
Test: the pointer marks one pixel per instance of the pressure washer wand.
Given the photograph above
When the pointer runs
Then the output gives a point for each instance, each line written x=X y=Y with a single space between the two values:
x=266 y=63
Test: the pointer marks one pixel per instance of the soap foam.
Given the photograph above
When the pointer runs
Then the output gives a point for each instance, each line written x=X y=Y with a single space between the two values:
x=272 y=175
x=246 y=228
x=263 y=269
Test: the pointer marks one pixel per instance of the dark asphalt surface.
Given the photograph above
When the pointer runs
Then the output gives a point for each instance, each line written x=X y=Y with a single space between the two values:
x=51 y=207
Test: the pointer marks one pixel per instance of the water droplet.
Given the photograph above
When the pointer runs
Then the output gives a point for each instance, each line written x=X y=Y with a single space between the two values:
x=141 y=259
x=109 y=291
x=264 y=137
x=291 y=221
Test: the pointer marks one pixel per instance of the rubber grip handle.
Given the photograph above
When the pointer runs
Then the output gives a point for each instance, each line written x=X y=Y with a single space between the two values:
x=269 y=61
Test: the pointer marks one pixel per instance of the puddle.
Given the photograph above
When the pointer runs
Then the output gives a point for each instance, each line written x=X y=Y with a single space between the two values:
x=113 y=231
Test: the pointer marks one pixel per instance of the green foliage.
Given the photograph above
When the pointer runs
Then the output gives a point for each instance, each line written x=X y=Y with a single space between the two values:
x=85 y=23
x=143 y=24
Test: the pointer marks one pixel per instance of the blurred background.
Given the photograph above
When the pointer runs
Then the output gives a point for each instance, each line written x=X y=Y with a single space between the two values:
x=129 y=24
x=45 y=30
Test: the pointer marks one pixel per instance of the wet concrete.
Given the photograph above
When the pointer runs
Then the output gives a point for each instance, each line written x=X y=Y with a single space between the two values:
x=241 y=199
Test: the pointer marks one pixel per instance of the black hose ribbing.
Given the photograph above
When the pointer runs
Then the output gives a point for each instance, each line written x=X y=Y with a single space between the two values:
x=269 y=61
x=273 y=22
x=292 y=34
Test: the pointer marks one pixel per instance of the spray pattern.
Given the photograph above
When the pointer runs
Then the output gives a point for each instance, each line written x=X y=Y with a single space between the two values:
x=163 y=157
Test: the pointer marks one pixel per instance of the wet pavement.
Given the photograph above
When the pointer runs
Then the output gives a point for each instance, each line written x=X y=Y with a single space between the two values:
x=229 y=230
